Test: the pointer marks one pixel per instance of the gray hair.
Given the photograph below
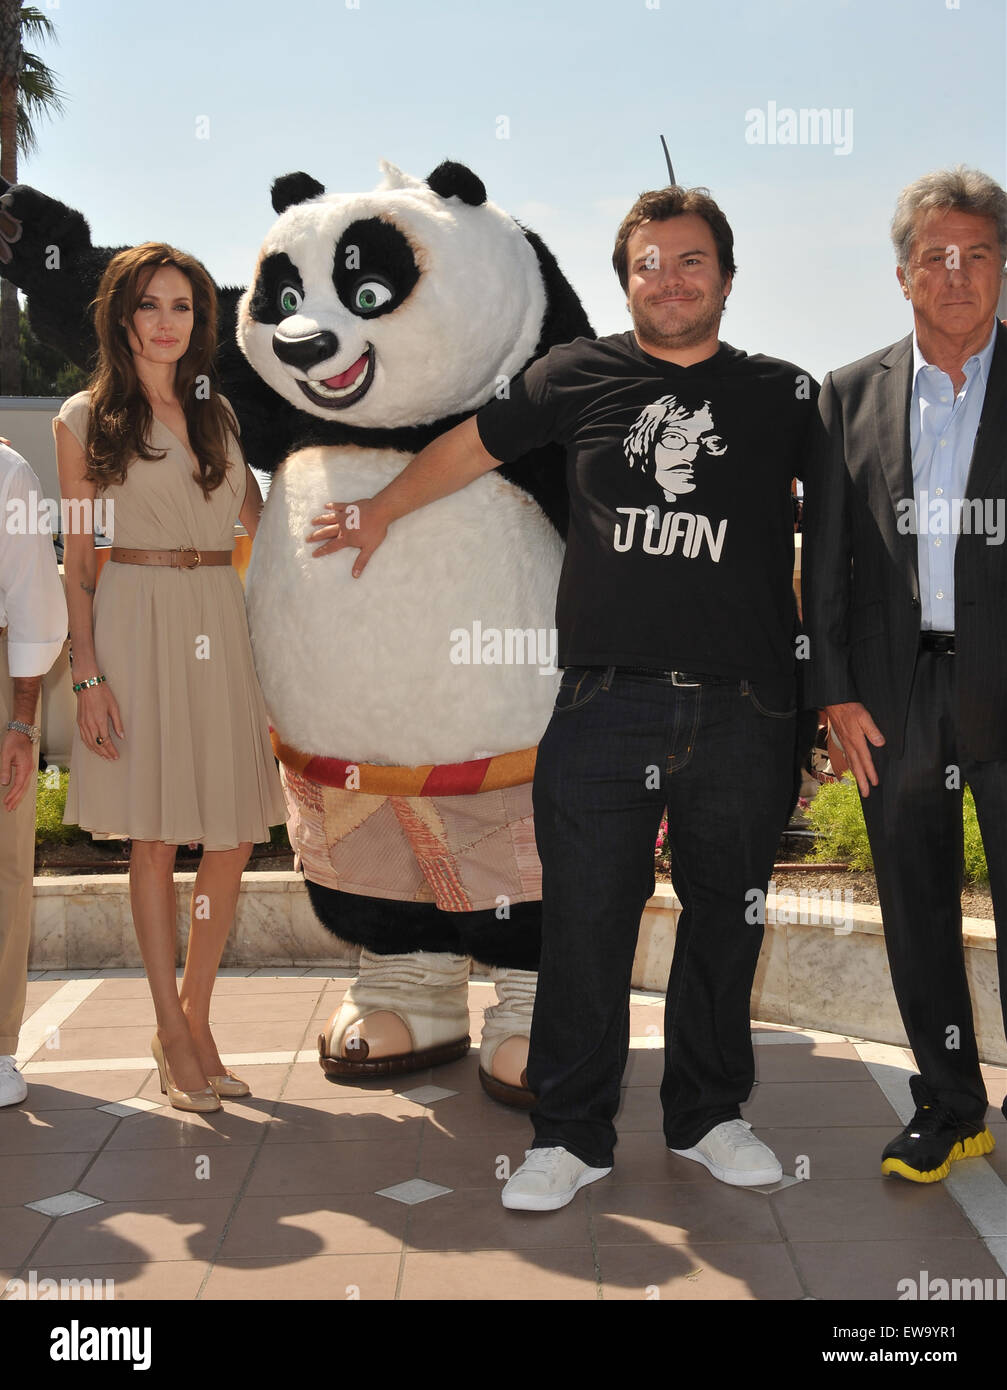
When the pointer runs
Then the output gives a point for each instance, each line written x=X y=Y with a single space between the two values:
x=946 y=190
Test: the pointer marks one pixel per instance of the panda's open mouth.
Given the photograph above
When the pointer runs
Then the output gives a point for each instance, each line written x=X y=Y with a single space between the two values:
x=337 y=392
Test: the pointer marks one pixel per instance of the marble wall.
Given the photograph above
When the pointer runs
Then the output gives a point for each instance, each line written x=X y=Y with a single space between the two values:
x=85 y=922
x=832 y=977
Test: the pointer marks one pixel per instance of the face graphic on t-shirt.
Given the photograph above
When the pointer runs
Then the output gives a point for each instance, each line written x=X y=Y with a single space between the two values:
x=667 y=438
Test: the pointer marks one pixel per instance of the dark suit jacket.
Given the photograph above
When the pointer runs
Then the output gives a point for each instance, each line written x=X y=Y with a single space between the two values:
x=860 y=578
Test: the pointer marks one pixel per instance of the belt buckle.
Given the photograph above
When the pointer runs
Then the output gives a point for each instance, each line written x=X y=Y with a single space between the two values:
x=189 y=550
x=677 y=680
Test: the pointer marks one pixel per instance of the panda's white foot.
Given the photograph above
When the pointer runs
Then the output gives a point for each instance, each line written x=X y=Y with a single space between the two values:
x=401 y=1014
x=503 y=1053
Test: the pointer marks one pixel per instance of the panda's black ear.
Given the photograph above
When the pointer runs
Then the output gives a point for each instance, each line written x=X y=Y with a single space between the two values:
x=453 y=180
x=294 y=188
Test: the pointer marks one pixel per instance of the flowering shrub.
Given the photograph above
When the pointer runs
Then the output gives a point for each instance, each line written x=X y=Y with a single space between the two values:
x=662 y=849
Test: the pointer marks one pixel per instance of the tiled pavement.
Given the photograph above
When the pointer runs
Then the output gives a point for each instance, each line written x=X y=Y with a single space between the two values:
x=280 y=1196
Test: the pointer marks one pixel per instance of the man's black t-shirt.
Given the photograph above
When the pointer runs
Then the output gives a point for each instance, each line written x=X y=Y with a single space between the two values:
x=680 y=545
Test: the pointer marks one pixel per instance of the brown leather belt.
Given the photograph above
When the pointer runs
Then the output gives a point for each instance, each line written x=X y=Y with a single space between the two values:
x=186 y=557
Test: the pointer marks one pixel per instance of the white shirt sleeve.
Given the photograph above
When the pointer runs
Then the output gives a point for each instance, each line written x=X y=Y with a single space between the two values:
x=32 y=602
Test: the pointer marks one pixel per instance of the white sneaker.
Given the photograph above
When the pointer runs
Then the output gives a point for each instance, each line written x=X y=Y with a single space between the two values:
x=13 y=1087
x=548 y=1178
x=735 y=1155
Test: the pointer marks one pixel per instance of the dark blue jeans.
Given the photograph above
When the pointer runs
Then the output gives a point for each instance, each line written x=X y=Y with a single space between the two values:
x=618 y=749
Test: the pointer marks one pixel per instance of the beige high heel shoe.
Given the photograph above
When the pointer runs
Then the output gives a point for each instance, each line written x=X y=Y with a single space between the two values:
x=203 y=1101
x=230 y=1086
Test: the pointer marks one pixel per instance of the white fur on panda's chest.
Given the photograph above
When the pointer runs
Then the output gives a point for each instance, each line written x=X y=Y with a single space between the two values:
x=367 y=669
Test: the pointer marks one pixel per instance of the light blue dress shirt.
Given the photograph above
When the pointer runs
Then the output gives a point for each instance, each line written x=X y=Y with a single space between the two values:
x=942 y=433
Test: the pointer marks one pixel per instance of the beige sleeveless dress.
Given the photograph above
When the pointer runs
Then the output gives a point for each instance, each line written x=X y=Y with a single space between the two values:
x=196 y=762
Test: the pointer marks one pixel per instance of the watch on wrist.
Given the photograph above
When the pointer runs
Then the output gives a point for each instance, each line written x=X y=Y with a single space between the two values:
x=32 y=731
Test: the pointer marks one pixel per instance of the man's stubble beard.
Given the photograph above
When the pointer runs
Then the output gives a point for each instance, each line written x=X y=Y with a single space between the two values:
x=688 y=335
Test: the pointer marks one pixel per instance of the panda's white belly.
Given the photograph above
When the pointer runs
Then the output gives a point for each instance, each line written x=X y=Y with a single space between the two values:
x=434 y=654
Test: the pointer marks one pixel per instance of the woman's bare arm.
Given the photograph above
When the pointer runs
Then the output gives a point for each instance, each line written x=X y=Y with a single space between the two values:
x=96 y=706
x=251 y=508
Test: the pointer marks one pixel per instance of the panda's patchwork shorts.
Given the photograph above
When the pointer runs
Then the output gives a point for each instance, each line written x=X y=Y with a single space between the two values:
x=463 y=853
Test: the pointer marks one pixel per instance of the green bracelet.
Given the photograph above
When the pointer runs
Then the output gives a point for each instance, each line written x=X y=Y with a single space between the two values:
x=85 y=685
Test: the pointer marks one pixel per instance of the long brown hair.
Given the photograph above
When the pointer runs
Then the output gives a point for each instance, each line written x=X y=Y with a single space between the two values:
x=121 y=415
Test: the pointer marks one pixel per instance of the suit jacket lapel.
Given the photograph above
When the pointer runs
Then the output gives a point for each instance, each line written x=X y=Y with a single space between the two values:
x=893 y=392
x=988 y=451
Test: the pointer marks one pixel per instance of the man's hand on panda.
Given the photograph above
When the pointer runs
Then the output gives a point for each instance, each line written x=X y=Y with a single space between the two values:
x=445 y=465
x=361 y=524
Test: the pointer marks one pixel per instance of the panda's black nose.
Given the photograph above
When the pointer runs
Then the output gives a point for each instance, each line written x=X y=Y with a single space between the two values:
x=306 y=351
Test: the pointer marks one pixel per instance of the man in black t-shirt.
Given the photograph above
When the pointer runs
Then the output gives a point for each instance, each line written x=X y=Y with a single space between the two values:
x=680 y=542
x=677 y=621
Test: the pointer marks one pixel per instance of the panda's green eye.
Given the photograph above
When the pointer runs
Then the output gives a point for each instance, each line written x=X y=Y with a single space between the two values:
x=290 y=299
x=370 y=295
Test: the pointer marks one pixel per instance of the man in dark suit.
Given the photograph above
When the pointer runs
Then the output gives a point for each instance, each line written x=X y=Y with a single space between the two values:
x=905 y=602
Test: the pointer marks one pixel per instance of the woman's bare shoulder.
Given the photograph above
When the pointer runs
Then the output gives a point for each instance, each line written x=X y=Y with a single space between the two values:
x=74 y=414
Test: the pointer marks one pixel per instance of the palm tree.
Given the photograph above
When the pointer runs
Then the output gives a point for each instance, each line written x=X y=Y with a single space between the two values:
x=28 y=90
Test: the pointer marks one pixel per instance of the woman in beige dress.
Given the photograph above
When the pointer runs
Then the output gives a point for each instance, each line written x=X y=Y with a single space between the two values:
x=172 y=741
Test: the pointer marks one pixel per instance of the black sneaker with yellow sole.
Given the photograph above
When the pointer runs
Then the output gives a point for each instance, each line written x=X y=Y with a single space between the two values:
x=933 y=1140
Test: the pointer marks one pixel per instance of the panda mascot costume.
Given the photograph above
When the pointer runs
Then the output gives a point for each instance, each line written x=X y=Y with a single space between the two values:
x=406 y=704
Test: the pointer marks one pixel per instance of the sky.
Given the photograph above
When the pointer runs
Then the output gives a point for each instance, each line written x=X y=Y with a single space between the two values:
x=179 y=116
